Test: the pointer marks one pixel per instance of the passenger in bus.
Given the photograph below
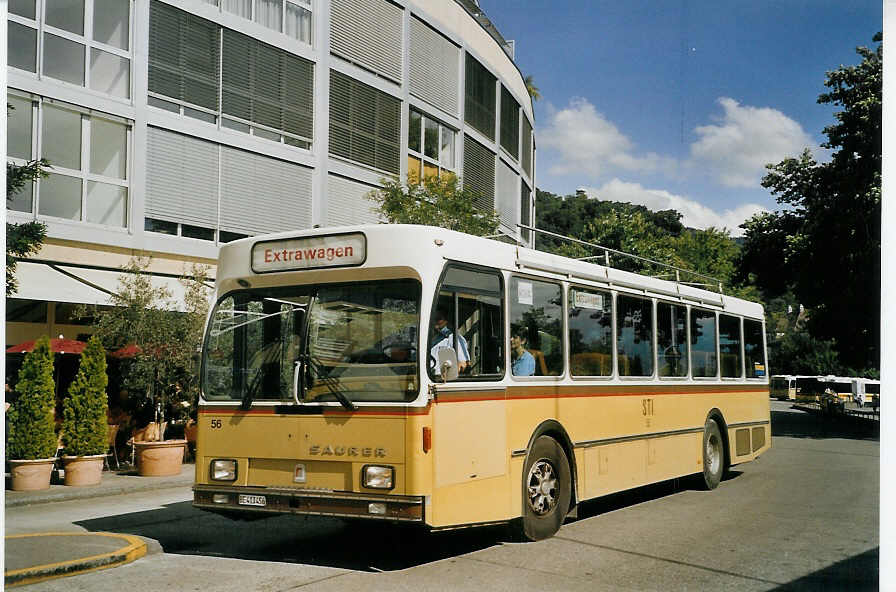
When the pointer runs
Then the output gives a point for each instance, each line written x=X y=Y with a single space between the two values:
x=521 y=361
x=443 y=337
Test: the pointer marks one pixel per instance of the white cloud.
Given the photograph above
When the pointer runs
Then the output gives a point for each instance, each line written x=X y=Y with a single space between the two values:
x=588 y=144
x=694 y=215
x=736 y=149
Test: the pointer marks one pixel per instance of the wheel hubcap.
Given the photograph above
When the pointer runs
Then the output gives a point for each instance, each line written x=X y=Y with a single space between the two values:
x=542 y=487
x=713 y=454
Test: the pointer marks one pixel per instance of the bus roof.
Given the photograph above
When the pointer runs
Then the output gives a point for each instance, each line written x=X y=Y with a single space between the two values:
x=428 y=247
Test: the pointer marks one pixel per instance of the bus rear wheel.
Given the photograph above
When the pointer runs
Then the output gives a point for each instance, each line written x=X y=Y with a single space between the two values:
x=547 y=487
x=713 y=454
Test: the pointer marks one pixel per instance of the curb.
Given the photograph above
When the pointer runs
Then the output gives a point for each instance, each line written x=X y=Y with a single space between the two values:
x=134 y=549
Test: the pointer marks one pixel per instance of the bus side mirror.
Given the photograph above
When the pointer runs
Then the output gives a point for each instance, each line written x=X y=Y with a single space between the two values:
x=447 y=361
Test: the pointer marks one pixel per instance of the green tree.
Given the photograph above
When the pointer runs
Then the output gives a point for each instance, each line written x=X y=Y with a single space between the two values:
x=31 y=425
x=830 y=236
x=437 y=201
x=162 y=379
x=84 y=417
x=531 y=88
x=26 y=238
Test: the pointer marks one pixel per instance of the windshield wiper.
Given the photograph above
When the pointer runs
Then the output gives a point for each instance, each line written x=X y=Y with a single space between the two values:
x=249 y=395
x=332 y=385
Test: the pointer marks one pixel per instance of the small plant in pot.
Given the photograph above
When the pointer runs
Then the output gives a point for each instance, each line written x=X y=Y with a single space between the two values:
x=31 y=447
x=160 y=372
x=85 y=436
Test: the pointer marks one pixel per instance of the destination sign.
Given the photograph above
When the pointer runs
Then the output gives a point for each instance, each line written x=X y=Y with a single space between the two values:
x=313 y=252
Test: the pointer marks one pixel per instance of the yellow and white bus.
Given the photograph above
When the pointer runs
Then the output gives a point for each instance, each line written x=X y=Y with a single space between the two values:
x=416 y=374
x=783 y=387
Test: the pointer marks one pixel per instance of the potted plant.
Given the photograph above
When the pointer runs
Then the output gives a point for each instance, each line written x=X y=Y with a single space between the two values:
x=31 y=447
x=85 y=436
x=160 y=374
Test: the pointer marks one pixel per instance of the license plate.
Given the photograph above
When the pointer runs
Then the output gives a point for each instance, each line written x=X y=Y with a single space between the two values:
x=251 y=500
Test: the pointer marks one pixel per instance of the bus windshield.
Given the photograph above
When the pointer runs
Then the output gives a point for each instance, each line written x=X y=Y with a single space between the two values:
x=345 y=343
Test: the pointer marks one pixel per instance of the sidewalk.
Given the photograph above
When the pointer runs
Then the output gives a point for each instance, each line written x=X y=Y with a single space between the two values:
x=35 y=557
x=113 y=483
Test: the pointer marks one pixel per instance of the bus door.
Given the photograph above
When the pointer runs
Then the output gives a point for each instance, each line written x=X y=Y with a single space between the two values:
x=469 y=416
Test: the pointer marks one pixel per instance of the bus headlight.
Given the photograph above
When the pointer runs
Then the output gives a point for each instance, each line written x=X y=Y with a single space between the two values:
x=223 y=469
x=378 y=477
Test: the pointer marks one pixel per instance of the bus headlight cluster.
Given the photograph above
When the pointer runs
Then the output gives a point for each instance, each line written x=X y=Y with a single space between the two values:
x=223 y=469
x=378 y=477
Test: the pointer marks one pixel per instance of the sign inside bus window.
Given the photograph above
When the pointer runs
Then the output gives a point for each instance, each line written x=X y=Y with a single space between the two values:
x=588 y=300
x=313 y=252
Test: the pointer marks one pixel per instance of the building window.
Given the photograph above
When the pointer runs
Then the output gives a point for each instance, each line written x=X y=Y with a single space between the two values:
x=85 y=44
x=479 y=97
x=510 y=123
x=189 y=231
x=526 y=156
x=430 y=147
x=290 y=17
x=365 y=124
x=19 y=310
x=479 y=173
x=88 y=154
x=264 y=91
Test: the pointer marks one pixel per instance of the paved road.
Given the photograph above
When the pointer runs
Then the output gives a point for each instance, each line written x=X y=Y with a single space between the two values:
x=804 y=517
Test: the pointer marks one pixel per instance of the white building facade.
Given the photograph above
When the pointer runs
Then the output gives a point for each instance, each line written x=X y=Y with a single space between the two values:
x=173 y=126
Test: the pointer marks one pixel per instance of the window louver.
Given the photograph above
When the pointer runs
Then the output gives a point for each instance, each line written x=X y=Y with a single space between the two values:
x=183 y=56
x=368 y=33
x=433 y=67
x=365 y=123
x=479 y=97
x=479 y=173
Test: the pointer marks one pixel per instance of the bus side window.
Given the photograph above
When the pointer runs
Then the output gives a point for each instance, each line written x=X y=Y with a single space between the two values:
x=470 y=303
x=536 y=314
x=634 y=336
x=729 y=346
x=754 y=352
x=703 y=343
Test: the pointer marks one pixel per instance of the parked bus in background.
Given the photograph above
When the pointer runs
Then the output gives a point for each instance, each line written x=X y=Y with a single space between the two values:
x=783 y=387
x=866 y=392
x=368 y=372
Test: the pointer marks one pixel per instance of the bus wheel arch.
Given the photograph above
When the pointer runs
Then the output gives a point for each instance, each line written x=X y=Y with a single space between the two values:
x=715 y=422
x=553 y=428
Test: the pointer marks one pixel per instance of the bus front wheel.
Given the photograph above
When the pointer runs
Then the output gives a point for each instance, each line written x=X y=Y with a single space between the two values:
x=547 y=487
x=713 y=454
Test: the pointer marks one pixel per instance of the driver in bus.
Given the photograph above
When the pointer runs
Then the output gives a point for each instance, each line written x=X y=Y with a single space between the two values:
x=443 y=337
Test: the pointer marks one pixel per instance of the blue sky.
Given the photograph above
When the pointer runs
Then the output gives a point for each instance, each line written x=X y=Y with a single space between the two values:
x=679 y=104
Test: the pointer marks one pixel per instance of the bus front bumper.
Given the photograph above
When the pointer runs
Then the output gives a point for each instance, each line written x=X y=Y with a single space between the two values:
x=401 y=508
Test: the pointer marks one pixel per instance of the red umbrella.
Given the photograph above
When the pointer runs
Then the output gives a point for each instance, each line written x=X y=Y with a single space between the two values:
x=128 y=351
x=59 y=346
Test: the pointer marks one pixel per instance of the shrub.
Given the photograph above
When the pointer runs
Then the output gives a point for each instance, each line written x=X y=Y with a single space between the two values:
x=31 y=434
x=84 y=421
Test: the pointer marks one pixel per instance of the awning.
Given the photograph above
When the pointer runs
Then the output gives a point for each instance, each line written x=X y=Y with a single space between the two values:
x=66 y=283
x=39 y=281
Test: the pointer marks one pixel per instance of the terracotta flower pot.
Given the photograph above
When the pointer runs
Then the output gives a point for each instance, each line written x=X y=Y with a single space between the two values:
x=160 y=459
x=31 y=475
x=83 y=470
